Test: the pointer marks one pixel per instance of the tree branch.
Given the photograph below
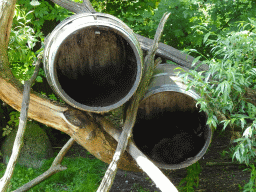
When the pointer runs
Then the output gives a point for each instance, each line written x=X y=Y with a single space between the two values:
x=75 y=7
x=5 y=180
x=132 y=109
x=55 y=168
x=170 y=53
x=88 y=4
x=161 y=181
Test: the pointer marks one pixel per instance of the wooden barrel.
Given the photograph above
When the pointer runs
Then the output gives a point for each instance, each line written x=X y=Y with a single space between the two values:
x=93 y=61
x=169 y=128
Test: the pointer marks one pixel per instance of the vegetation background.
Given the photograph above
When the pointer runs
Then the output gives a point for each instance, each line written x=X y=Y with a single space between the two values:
x=221 y=33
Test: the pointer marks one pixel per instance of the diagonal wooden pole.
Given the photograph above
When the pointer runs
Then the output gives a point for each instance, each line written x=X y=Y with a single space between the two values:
x=5 y=180
x=131 y=111
x=157 y=176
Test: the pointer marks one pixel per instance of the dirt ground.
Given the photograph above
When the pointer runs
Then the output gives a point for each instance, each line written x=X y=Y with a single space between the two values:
x=218 y=172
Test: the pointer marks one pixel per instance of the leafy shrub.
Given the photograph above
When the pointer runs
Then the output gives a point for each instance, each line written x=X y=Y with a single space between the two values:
x=23 y=39
x=224 y=87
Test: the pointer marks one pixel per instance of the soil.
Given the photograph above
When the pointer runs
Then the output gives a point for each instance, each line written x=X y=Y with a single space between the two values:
x=218 y=172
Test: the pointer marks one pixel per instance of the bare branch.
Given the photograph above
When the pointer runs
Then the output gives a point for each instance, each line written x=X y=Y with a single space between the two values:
x=88 y=4
x=55 y=168
x=170 y=53
x=5 y=180
x=161 y=181
x=75 y=7
x=131 y=111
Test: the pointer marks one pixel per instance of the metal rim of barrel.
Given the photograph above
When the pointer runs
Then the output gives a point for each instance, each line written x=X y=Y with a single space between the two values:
x=78 y=22
x=154 y=89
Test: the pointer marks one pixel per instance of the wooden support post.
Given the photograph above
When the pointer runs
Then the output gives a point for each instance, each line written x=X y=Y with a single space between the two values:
x=132 y=108
x=5 y=180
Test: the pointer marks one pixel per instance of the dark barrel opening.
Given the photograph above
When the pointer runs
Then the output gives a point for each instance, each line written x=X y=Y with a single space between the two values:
x=170 y=130
x=96 y=66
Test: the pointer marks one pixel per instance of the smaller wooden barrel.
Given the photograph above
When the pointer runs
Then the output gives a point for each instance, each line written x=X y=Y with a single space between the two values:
x=169 y=128
x=93 y=61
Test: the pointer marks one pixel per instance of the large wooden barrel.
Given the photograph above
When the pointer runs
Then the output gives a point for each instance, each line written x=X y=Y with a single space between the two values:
x=169 y=128
x=93 y=61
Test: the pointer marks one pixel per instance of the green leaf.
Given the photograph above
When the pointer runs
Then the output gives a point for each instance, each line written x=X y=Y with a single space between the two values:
x=248 y=132
x=226 y=122
x=206 y=37
x=195 y=60
x=39 y=79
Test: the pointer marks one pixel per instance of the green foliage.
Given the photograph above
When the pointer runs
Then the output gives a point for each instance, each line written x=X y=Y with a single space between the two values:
x=13 y=122
x=44 y=12
x=23 y=39
x=190 y=20
x=251 y=185
x=14 y=118
x=223 y=87
x=192 y=179
x=6 y=130
x=230 y=73
x=22 y=176
x=136 y=14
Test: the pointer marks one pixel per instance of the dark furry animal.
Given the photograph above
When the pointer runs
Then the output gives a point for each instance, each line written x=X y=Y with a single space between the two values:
x=176 y=149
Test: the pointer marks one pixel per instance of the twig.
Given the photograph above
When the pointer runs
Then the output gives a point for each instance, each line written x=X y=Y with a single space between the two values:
x=55 y=168
x=161 y=181
x=5 y=180
x=132 y=109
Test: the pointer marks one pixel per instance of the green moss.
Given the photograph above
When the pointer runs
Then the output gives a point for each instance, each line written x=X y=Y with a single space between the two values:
x=36 y=146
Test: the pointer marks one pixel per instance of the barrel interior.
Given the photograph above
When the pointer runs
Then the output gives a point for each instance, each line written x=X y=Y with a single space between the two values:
x=96 y=66
x=169 y=128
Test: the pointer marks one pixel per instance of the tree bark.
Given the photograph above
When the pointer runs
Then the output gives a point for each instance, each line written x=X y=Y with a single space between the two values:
x=250 y=96
x=72 y=6
x=6 y=16
x=170 y=53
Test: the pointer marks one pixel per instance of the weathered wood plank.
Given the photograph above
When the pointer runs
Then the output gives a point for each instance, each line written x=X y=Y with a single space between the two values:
x=170 y=53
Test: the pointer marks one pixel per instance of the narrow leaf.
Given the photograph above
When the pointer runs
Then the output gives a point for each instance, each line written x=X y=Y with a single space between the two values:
x=206 y=37
x=195 y=60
